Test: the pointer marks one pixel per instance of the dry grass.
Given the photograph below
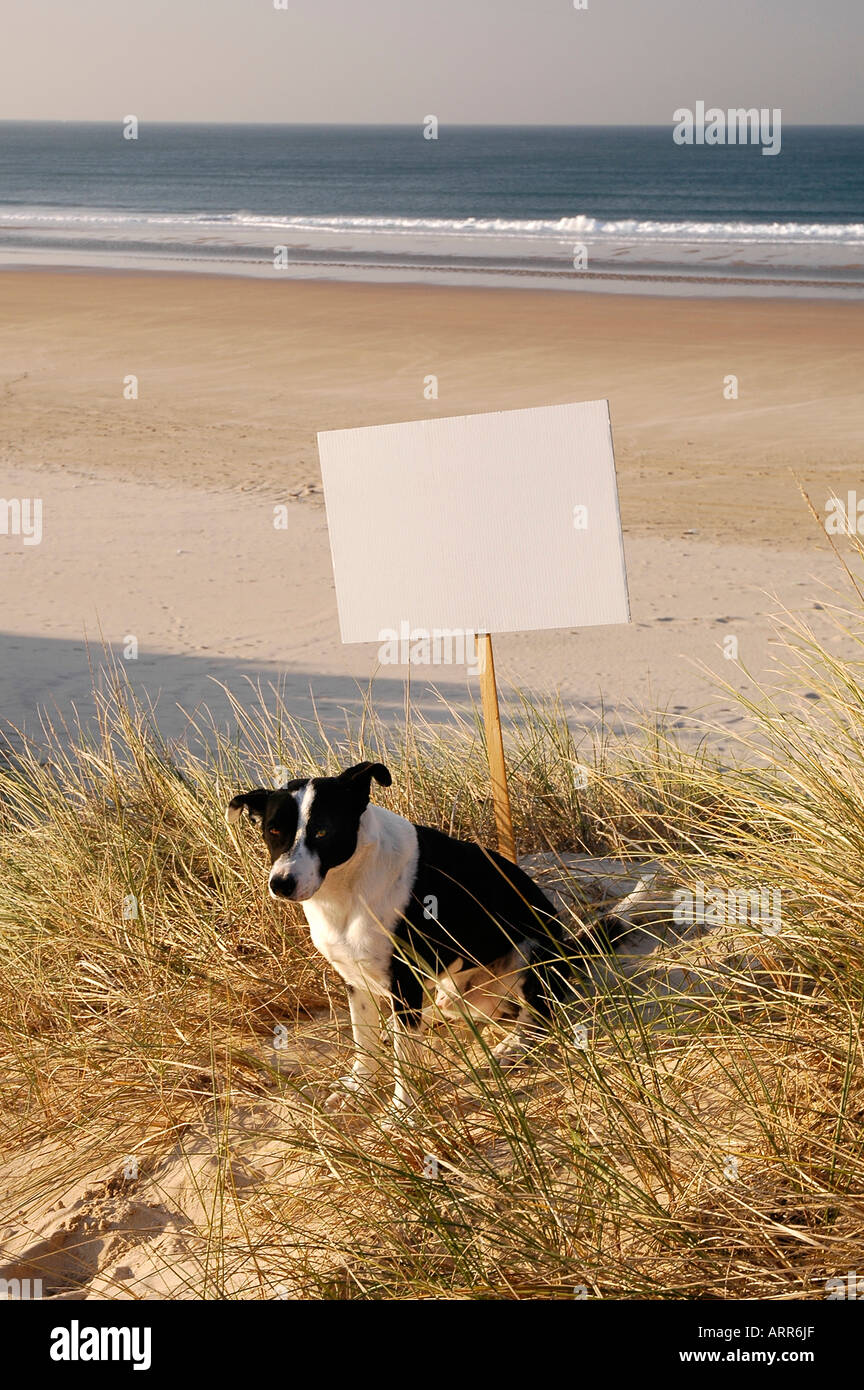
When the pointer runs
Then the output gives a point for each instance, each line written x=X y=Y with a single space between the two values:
x=605 y=1167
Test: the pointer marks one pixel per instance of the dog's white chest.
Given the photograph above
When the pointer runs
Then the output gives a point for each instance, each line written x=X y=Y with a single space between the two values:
x=353 y=915
x=354 y=945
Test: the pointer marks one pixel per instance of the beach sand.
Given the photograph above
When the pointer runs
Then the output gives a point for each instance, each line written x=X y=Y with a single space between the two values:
x=158 y=512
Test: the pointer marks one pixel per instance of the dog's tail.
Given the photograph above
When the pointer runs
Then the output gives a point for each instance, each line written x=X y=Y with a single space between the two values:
x=554 y=968
x=606 y=933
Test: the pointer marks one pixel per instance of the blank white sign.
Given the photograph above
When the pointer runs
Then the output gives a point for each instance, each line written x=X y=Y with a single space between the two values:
x=503 y=522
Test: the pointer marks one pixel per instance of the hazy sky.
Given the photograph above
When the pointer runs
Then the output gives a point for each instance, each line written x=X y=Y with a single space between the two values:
x=493 y=61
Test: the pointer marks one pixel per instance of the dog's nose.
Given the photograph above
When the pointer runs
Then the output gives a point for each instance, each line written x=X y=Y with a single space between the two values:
x=283 y=885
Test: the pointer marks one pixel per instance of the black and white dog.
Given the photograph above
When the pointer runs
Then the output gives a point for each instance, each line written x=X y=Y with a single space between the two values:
x=406 y=913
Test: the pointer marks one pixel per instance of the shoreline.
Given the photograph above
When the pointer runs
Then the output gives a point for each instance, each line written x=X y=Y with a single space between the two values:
x=644 y=284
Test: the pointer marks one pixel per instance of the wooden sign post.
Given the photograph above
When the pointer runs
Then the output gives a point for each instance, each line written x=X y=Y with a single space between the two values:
x=449 y=530
x=495 y=750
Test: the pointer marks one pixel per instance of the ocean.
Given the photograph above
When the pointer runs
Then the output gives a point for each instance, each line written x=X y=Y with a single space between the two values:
x=563 y=207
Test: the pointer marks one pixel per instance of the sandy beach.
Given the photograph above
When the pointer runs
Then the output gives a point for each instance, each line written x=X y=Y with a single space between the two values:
x=158 y=511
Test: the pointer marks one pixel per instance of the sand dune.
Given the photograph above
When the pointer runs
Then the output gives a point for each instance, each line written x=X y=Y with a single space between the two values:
x=146 y=1222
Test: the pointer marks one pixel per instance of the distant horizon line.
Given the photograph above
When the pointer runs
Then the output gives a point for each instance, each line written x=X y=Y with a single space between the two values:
x=405 y=125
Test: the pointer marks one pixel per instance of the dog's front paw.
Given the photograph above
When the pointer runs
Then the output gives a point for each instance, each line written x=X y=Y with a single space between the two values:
x=348 y=1086
x=511 y=1051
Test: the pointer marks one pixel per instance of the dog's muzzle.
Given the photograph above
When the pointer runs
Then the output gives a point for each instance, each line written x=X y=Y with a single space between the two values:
x=282 y=885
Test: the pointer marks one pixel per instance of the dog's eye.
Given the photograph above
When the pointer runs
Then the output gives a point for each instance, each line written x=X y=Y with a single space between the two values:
x=272 y=830
x=319 y=834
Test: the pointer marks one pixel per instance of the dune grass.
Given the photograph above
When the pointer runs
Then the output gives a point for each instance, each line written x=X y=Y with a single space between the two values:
x=155 y=1003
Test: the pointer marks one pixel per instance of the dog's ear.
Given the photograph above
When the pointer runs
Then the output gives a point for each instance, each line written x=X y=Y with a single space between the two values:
x=361 y=774
x=254 y=803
